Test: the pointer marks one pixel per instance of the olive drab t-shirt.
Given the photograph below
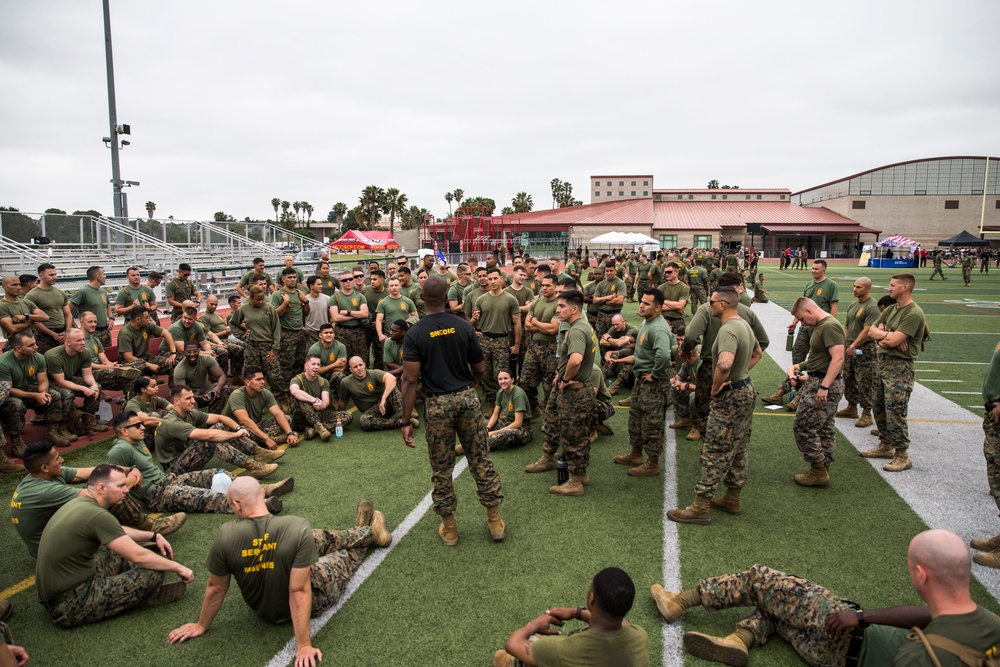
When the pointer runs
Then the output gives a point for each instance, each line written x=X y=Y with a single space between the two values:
x=35 y=501
x=652 y=348
x=544 y=310
x=58 y=361
x=736 y=336
x=173 y=432
x=129 y=295
x=328 y=355
x=514 y=402
x=158 y=404
x=991 y=383
x=22 y=375
x=393 y=309
x=124 y=453
x=578 y=338
x=367 y=392
x=626 y=647
x=136 y=341
x=825 y=293
x=392 y=352
x=258 y=407
x=260 y=553
x=348 y=302
x=678 y=292
x=497 y=312
x=181 y=334
x=199 y=377
x=828 y=332
x=50 y=302
x=88 y=299
x=860 y=315
x=910 y=320
x=314 y=388
x=293 y=317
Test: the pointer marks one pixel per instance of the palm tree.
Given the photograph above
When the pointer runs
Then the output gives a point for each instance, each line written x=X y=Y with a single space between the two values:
x=395 y=204
x=339 y=210
x=522 y=203
x=713 y=184
x=308 y=208
x=275 y=203
x=449 y=197
x=285 y=205
x=372 y=200
x=298 y=207
x=557 y=188
x=150 y=209
x=459 y=193
x=506 y=210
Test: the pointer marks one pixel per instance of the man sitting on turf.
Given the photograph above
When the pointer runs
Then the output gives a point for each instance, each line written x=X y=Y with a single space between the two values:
x=257 y=411
x=292 y=573
x=828 y=630
x=90 y=567
x=375 y=394
x=206 y=378
x=46 y=488
x=312 y=402
x=162 y=492
x=332 y=356
x=608 y=640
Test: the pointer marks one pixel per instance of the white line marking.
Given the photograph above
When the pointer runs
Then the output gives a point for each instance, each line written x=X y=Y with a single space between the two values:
x=952 y=381
x=672 y=654
x=964 y=333
x=955 y=363
x=927 y=370
x=967 y=393
x=287 y=654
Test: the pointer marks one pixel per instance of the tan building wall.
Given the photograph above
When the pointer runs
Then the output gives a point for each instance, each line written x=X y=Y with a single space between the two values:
x=619 y=188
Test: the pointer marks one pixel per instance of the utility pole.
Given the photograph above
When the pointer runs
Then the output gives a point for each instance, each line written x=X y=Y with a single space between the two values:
x=116 y=180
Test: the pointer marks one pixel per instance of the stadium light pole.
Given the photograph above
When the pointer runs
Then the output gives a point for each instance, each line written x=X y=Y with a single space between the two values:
x=116 y=181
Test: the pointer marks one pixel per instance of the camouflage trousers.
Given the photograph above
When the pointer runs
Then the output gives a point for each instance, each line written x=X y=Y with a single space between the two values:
x=630 y=289
x=373 y=420
x=292 y=353
x=104 y=335
x=270 y=427
x=641 y=286
x=189 y=492
x=703 y=394
x=725 y=442
x=129 y=512
x=682 y=404
x=502 y=438
x=218 y=402
x=860 y=374
x=353 y=339
x=164 y=367
x=937 y=272
x=592 y=320
x=372 y=341
x=45 y=342
x=892 y=400
x=800 y=348
x=603 y=410
x=459 y=414
x=696 y=297
x=991 y=450
x=604 y=322
x=199 y=452
x=496 y=353
x=967 y=275
x=815 y=435
x=788 y=606
x=13 y=410
x=90 y=403
x=334 y=378
x=647 y=415
x=119 y=379
x=256 y=356
x=116 y=586
x=236 y=351
x=566 y=426
x=539 y=369
x=304 y=415
x=611 y=371
x=340 y=553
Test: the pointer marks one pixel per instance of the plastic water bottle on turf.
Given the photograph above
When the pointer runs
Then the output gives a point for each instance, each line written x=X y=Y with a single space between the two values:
x=221 y=481
x=339 y=429
x=562 y=471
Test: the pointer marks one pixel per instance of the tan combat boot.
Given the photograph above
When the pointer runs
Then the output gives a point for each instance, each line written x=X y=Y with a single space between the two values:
x=883 y=451
x=672 y=605
x=633 y=458
x=257 y=470
x=773 y=399
x=626 y=402
x=604 y=429
x=53 y=437
x=698 y=513
x=729 y=503
x=991 y=544
x=694 y=434
x=380 y=533
x=265 y=455
x=309 y=433
x=682 y=423
x=62 y=428
x=448 y=530
x=865 y=419
x=17 y=446
x=850 y=412
x=728 y=650
x=989 y=559
x=322 y=431
x=818 y=475
x=274 y=504
x=615 y=385
x=649 y=468
x=366 y=512
x=900 y=462
x=571 y=487
x=793 y=404
x=495 y=523
x=166 y=525
x=547 y=462
x=90 y=424
x=8 y=466
x=503 y=659
x=279 y=488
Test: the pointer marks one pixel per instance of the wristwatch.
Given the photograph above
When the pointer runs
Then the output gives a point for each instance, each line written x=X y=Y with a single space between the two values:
x=404 y=422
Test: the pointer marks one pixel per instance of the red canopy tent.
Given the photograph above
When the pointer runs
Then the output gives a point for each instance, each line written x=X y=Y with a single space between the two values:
x=354 y=239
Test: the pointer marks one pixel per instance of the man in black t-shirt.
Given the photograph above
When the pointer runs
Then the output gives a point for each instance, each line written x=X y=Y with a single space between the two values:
x=448 y=344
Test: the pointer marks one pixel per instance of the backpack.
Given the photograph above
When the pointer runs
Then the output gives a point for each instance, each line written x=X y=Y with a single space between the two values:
x=968 y=655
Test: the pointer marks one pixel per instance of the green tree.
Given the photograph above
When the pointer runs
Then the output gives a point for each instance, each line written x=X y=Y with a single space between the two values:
x=298 y=207
x=395 y=204
x=713 y=184
x=150 y=209
x=17 y=226
x=459 y=193
x=307 y=210
x=413 y=218
x=222 y=216
x=557 y=189
x=337 y=213
x=565 y=197
x=522 y=203
x=285 y=205
x=276 y=203
x=372 y=200
x=506 y=210
x=472 y=204
x=449 y=197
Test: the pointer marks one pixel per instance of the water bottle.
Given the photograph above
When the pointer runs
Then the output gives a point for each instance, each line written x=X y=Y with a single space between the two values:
x=221 y=481
x=790 y=341
x=857 y=352
x=339 y=429
x=562 y=471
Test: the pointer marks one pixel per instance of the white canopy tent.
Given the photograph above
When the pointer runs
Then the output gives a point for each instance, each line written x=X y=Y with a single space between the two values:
x=627 y=239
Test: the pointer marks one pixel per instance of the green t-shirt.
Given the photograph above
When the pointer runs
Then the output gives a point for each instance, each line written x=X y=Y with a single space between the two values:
x=367 y=392
x=827 y=333
x=678 y=292
x=199 y=377
x=158 y=404
x=860 y=315
x=194 y=333
x=260 y=554
x=94 y=348
x=642 y=270
x=50 y=302
x=330 y=285
x=626 y=647
x=293 y=317
x=124 y=453
x=314 y=388
x=328 y=355
x=66 y=552
x=416 y=294
x=136 y=341
x=179 y=290
x=735 y=336
x=652 y=348
x=579 y=338
x=608 y=288
x=979 y=629
x=22 y=375
x=173 y=432
x=392 y=352
x=991 y=383
x=128 y=295
x=544 y=311
x=251 y=274
x=392 y=309
x=298 y=274
x=456 y=292
x=258 y=407
x=469 y=297
x=34 y=502
x=910 y=320
x=212 y=322
x=497 y=313
x=58 y=361
x=349 y=302
x=523 y=295
x=825 y=293
x=374 y=298
x=263 y=324
x=514 y=402
x=697 y=276
x=593 y=309
x=12 y=308
x=88 y=299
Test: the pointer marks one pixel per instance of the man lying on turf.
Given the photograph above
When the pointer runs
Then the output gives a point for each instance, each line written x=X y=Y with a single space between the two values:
x=828 y=630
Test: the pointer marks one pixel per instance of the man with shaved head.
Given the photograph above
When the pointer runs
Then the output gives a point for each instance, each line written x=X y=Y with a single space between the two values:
x=285 y=570
x=825 y=629
x=859 y=357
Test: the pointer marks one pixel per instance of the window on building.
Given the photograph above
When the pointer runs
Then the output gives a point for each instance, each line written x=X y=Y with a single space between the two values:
x=597 y=193
x=609 y=193
x=713 y=196
x=690 y=196
x=920 y=192
x=858 y=205
x=725 y=196
x=680 y=196
x=609 y=184
x=782 y=197
x=633 y=184
x=951 y=203
x=621 y=193
x=645 y=183
x=748 y=196
x=645 y=193
x=760 y=196
x=633 y=193
x=621 y=184
x=597 y=184
x=702 y=240
x=998 y=203
x=668 y=241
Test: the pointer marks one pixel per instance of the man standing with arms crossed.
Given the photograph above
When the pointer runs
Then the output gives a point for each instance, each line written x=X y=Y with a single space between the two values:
x=610 y=294
x=498 y=315
x=675 y=296
x=898 y=335
x=860 y=363
x=53 y=302
x=540 y=361
x=448 y=345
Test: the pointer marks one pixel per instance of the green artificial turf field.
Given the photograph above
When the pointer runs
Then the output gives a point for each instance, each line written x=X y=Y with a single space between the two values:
x=427 y=604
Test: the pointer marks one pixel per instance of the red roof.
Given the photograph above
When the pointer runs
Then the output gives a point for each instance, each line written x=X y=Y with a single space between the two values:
x=638 y=212
x=820 y=229
x=715 y=215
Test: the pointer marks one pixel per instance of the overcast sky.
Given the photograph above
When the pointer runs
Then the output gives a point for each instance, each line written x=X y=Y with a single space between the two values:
x=233 y=103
